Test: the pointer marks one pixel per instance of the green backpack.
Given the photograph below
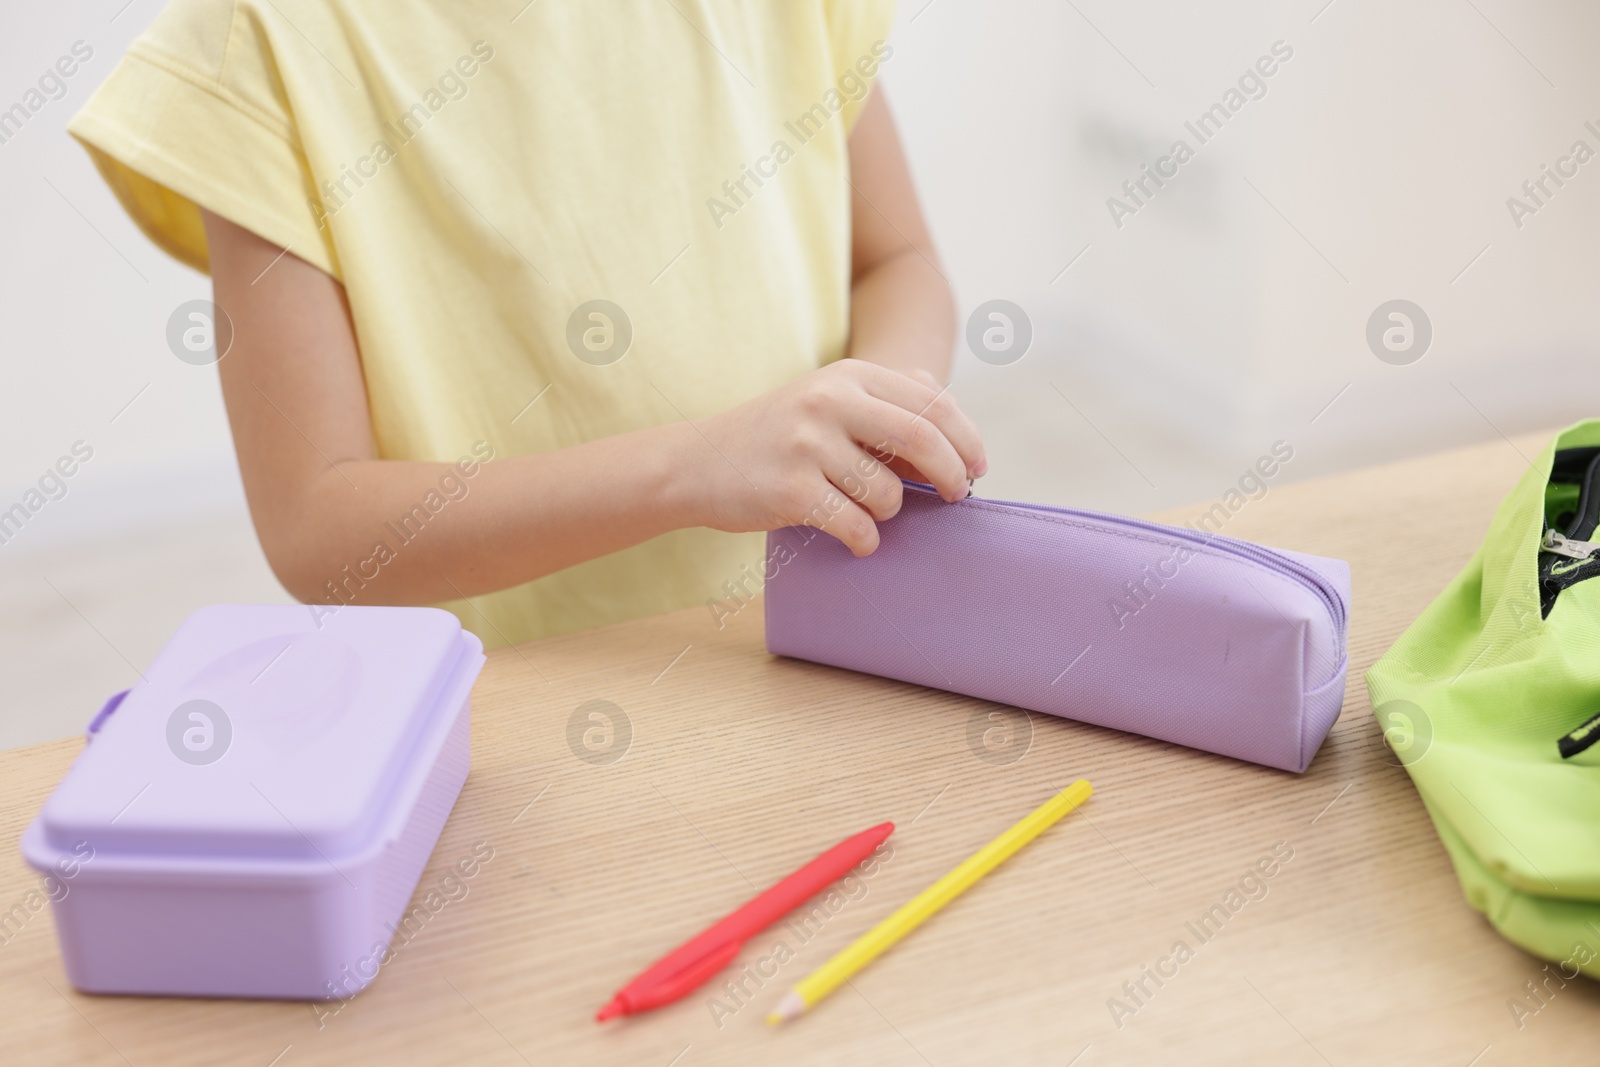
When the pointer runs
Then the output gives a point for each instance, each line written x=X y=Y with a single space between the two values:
x=1490 y=700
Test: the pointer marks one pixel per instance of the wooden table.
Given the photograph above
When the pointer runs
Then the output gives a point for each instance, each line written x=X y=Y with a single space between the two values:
x=1361 y=951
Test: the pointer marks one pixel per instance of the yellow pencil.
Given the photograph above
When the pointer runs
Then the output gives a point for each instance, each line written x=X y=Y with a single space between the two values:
x=868 y=947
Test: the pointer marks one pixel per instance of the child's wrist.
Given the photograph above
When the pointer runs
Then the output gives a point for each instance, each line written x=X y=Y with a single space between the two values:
x=676 y=480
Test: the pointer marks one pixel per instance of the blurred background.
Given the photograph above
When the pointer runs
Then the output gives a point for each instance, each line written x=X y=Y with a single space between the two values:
x=1227 y=312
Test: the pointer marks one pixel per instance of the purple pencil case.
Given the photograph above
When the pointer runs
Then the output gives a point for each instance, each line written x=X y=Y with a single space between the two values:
x=250 y=819
x=1177 y=634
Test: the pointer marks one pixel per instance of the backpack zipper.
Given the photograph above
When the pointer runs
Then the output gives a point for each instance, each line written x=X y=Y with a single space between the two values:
x=1562 y=545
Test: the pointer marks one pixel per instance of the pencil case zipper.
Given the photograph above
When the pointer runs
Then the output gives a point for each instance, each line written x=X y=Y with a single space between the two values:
x=1243 y=550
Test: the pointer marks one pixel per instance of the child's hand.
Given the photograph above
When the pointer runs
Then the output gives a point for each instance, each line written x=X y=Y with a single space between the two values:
x=827 y=450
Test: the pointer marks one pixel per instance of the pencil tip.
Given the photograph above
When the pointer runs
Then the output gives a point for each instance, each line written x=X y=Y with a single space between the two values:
x=610 y=1011
x=790 y=1007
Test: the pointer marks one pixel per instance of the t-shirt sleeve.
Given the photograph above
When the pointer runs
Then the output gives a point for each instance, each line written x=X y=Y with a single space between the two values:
x=860 y=37
x=195 y=115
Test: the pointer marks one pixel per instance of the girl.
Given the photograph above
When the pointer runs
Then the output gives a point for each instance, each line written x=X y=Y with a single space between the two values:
x=661 y=261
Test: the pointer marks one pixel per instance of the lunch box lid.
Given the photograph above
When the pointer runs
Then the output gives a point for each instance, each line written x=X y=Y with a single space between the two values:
x=267 y=732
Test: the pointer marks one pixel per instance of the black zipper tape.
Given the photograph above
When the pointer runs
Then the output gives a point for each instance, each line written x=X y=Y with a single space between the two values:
x=1580 y=739
x=1558 y=572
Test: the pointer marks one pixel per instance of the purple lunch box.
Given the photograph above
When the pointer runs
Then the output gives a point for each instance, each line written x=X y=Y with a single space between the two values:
x=251 y=818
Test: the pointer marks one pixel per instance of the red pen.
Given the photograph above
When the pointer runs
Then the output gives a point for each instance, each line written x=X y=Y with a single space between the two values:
x=688 y=966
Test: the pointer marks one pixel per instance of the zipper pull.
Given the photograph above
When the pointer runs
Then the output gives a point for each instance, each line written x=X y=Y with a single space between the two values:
x=1561 y=545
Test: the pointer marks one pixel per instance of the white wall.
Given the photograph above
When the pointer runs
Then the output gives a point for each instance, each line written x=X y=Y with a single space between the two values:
x=1207 y=327
x=1187 y=341
x=154 y=524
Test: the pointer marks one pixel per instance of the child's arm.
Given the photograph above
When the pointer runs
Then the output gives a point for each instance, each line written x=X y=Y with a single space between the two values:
x=901 y=312
x=319 y=496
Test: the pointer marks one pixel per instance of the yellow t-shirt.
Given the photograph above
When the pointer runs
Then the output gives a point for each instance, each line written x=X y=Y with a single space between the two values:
x=476 y=175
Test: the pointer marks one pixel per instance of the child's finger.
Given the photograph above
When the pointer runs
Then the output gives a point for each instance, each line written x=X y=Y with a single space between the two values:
x=849 y=522
x=936 y=406
x=901 y=469
x=868 y=482
x=886 y=428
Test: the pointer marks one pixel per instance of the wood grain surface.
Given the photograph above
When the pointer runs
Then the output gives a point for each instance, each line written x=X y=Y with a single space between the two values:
x=1358 y=950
